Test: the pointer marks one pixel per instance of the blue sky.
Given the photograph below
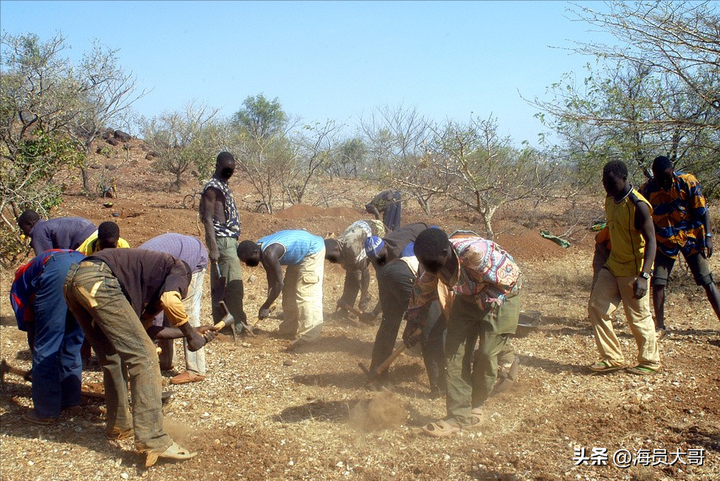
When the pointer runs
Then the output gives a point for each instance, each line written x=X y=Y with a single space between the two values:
x=329 y=60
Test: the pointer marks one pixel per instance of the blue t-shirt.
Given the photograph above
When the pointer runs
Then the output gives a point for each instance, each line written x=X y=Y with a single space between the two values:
x=298 y=245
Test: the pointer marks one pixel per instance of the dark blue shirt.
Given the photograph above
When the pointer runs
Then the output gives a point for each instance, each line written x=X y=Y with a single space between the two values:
x=60 y=233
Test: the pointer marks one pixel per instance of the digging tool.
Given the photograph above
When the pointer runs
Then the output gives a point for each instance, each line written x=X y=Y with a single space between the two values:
x=229 y=320
x=386 y=364
x=348 y=307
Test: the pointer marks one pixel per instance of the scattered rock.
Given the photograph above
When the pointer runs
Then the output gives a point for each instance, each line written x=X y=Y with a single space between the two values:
x=121 y=136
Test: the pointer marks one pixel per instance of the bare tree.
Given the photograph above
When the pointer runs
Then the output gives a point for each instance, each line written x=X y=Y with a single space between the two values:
x=315 y=145
x=482 y=171
x=106 y=93
x=182 y=139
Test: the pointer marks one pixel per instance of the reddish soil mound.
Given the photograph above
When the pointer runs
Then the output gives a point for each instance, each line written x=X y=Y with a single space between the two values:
x=299 y=211
x=304 y=211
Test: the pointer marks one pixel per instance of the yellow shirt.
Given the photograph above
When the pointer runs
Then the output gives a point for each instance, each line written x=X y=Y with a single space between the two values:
x=90 y=245
x=628 y=245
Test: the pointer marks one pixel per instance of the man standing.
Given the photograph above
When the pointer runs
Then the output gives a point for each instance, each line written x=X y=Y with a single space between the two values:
x=625 y=275
x=114 y=294
x=355 y=262
x=219 y=215
x=388 y=202
x=191 y=251
x=304 y=255
x=486 y=282
x=682 y=225
x=54 y=335
x=60 y=233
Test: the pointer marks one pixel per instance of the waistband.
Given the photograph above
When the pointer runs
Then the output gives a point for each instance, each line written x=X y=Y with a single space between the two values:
x=94 y=263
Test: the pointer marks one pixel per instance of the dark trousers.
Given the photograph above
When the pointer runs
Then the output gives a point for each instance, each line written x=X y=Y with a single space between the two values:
x=391 y=216
x=357 y=281
x=56 y=366
x=395 y=283
x=471 y=375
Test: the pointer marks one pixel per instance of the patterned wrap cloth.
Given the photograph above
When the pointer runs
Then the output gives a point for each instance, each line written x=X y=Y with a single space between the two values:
x=678 y=214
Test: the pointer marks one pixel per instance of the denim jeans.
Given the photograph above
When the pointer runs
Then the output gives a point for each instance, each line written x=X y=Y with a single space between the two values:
x=124 y=351
x=57 y=368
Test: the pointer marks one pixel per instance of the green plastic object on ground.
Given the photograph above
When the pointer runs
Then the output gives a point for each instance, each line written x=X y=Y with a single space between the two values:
x=561 y=242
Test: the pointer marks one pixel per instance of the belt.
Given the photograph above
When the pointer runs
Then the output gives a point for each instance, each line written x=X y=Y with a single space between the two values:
x=97 y=263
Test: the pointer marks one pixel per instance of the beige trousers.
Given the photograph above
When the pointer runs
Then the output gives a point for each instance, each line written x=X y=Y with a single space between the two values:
x=605 y=298
x=302 y=298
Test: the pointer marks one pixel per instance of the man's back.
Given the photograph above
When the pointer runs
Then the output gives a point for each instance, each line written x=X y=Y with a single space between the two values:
x=678 y=212
x=298 y=244
x=144 y=275
x=60 y=233
x=184 y=247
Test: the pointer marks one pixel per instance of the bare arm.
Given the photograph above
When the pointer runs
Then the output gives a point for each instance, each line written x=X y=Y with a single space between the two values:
x=644 y=223
x=708 y=249
x=371 y=209
x=273 y=269
x=209 y=197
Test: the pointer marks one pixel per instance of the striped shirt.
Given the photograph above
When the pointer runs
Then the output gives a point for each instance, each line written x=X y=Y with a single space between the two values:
x=678 y=214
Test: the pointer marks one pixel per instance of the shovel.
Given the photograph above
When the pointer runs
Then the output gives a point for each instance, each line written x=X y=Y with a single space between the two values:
x=375 y=373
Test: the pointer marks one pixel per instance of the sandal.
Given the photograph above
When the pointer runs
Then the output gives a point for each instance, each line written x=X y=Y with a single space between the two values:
x=441 y=429
x=603 y=366
x=476 y=418
x=117 y=434
x=186 y=377
x=35 y=419
x=642 y=370
x=175 y=451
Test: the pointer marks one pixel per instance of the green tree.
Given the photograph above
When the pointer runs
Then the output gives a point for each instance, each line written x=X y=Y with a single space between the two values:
x=28 y=181
x=258 y=137
x=655 y=91
x=348 y=158
x=260 y=117
x=38 y=103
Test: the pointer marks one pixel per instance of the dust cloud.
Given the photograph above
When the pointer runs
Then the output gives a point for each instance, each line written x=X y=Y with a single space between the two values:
x=383 y=411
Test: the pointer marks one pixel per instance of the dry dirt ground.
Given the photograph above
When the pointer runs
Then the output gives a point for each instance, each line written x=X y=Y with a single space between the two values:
x=265 y=413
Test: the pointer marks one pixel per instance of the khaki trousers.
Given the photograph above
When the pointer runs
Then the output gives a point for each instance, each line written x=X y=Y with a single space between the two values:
x=302 y=298
x=605 y=298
